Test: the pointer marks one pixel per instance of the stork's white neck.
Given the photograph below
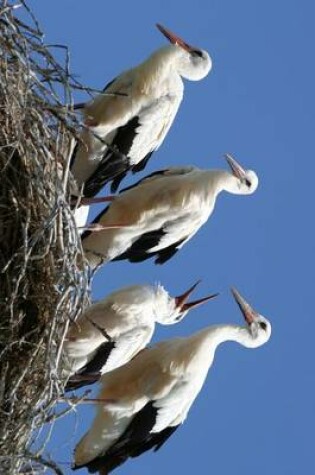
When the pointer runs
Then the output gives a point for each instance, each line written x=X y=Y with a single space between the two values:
x=218 y=334
x=225 y=181
x=205 y=342
x=198 y=353
x=158 y=74
x=168 y=58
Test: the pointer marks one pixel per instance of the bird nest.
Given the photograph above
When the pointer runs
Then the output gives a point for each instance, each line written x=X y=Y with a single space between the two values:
x=43 y=284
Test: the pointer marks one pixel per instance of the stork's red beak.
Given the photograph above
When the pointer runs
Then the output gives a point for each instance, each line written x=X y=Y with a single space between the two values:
x=248 y=312
x=184 y=306
x=174 y=39
x=236 y=168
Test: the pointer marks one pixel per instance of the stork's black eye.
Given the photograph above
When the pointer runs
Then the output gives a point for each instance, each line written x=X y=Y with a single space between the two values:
x=197 y=52
x=248 y=182
x=263 y=325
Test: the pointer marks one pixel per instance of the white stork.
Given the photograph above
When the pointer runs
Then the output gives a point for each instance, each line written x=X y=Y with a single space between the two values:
x=159 y=214
x=135 y=116
x=112 y=331
x=143 y=402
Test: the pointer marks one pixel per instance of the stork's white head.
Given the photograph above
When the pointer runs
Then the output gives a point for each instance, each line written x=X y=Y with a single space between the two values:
x=258 y=327
x=190 y=62
x=244 y=182
x=173 y=309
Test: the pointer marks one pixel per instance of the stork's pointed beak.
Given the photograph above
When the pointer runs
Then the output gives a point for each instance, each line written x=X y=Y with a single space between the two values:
x=236 y=168
x=185 y=306
x=181 y=299
x=248 y=312
x=174 y=39
x=196 y=303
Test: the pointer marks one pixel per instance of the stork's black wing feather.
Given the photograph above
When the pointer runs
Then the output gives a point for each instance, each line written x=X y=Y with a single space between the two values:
x=137 y=252
x=168 y=252
x=155 y=441
x=77 y=381
x=93 y=367
x=116 y=181
x=123 y=141
x=142 y=164
x=136 y=439
x=109 y=83
x=114 y=164
x=135 y=168
x=140 y=250
x=159 y=172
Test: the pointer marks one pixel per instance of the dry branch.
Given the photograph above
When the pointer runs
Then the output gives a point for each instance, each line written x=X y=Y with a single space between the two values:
x=41 y=286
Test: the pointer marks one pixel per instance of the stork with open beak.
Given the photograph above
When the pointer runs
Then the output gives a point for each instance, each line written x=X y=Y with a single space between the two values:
x=112 y=331
x=142 y=403
x=159 y=214
x=127 y=123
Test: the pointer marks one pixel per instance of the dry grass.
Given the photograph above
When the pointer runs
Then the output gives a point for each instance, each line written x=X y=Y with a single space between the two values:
x=41 y=286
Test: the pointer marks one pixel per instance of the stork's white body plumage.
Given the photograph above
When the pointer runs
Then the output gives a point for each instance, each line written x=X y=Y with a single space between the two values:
x=112 y=331
x=158 y=215
x=135 y=115
x=80 y=215
x=148 y=398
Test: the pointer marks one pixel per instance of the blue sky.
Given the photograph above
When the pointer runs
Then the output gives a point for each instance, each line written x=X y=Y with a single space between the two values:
x=256 y=412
